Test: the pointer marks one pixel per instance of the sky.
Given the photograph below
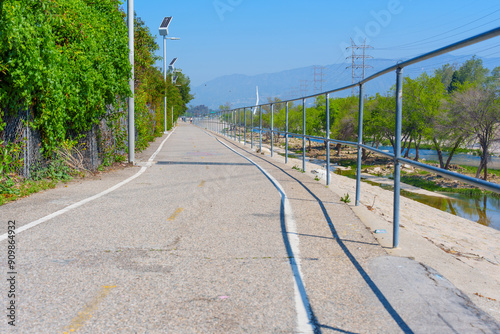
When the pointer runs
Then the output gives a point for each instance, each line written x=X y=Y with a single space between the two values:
x=224 y=37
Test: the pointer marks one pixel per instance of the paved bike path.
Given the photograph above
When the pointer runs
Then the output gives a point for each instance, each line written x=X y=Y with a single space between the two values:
x=198 y=244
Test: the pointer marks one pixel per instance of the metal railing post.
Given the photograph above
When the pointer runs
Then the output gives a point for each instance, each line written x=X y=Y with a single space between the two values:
x=272 y=127
x=397 y=155
x=360 y=141
x=251 y=128
x=245 y=120
x=260 y=129
x=304 y=134
x=239 y=125
x=286 y=133
x=327 y=105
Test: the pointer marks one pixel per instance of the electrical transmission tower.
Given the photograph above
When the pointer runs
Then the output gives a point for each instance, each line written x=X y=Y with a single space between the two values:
x=303 y=87
x=355 y=65
x=318 y=78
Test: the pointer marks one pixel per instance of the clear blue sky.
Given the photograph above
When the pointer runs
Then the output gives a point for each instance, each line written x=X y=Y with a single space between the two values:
x=221 y=37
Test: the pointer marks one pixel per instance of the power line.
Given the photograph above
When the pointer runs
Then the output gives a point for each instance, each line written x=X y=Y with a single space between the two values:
x=420 y=42
x=457 y=60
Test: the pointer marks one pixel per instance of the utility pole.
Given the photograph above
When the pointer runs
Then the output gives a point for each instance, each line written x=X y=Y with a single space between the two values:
x=355 y=65
x=318 y=78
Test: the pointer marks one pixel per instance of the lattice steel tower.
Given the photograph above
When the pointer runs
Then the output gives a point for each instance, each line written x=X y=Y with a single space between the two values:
x=354 y=57
x=318 y=78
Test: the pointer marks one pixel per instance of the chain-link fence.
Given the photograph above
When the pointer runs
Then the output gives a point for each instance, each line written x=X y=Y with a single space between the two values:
x=88 y=152
x=18 y=132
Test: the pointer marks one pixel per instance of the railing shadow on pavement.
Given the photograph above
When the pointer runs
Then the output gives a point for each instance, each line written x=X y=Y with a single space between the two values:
x=203 y=163
x=371 y=284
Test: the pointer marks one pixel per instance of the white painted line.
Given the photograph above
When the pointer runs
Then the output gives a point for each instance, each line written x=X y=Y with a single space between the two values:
x=302 y=306
x=86 y=200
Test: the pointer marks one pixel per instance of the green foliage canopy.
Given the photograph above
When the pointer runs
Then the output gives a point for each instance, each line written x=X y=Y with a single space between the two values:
x=65 y=60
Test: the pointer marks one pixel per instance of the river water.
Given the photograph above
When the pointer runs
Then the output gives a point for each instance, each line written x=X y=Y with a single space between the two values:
x=458 y=158
x=484 y=209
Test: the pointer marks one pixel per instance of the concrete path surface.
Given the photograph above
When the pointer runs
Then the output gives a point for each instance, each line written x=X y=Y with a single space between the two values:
x=206 y=236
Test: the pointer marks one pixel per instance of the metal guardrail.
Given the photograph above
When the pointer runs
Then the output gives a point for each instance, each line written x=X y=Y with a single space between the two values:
x=225 y=122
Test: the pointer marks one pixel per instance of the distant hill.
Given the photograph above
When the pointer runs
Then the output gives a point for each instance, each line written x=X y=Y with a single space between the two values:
x=239 y=90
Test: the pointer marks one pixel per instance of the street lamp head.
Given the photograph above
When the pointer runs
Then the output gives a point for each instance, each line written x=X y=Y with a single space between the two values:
x=164 y=26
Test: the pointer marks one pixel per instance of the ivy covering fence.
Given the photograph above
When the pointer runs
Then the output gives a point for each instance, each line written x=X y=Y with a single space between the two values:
x=64 y=72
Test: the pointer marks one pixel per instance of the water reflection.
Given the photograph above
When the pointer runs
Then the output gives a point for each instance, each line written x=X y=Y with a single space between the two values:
x=484 y=209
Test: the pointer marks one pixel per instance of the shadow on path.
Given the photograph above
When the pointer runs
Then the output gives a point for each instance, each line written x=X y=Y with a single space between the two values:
x=291 y=256
x=383 y=300
x=202 y=163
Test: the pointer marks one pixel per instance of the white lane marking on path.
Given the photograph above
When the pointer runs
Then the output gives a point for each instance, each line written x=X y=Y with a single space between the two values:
x=302 y=306
x=86 y=200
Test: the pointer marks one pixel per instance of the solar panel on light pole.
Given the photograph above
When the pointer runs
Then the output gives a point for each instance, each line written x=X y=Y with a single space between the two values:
x=171 y=66
x=164 y=26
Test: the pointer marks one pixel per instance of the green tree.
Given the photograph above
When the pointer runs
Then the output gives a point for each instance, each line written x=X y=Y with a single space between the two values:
x=493 y=81
x=380 y=120
x=343 y=115
x=478 y=111
x=422 y=100
x=445 y=73
x=471 y=71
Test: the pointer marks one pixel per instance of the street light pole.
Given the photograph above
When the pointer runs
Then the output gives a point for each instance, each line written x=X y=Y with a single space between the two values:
x=131 y=119
x=165 y=79
x=165 y=74
x=171 y=69
x=164 y=32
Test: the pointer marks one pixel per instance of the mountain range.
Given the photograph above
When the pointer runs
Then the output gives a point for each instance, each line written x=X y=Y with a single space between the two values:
x=240 y=90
